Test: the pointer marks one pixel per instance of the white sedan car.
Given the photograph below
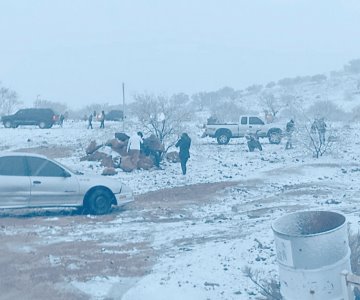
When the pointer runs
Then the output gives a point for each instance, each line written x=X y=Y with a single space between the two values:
x=32 y=180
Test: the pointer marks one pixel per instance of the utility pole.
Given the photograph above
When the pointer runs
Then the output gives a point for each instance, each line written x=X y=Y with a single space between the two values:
x=123 y=92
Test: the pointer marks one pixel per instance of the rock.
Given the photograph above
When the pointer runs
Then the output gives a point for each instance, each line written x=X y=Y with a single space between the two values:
x=126 y=164
x=96 y=156
x=118 y=146
x=153 y=143
x=145 y=163
x=121 y=136
x=173 y=157
x=92 y=147
x=109 y=172
x=107 y=162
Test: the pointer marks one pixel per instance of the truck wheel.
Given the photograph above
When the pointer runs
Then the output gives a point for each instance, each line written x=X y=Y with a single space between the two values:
x=223 y=139
x=274 y=136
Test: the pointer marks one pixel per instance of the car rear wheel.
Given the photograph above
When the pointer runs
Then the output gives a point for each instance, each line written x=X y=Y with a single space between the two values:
x=223 y=136
x=99 y=202
x=8 y=124
x=42 y=125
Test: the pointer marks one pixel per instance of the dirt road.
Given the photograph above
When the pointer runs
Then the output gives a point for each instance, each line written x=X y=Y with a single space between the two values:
x=43 y=251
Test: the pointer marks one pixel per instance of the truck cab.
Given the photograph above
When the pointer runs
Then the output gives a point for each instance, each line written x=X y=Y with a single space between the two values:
x=246 y=125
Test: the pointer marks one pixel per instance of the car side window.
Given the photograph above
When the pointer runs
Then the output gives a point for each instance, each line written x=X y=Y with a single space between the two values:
x=42 y=167
x=255 y=121
x=243 y=120
x=12 y=166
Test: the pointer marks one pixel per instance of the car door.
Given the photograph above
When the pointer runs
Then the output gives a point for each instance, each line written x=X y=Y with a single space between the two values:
x=51 y=184
x=14 y=182
x=255 y=124
x=243 y=126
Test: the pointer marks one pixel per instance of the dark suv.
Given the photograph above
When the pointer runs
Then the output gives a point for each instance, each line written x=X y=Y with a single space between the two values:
x=114 y=115
x=43 y=117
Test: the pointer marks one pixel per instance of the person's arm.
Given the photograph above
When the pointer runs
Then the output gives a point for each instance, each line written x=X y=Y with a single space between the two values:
x=178 y=143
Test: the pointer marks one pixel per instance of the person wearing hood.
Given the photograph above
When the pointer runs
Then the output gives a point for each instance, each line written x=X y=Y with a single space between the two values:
x=184 y=144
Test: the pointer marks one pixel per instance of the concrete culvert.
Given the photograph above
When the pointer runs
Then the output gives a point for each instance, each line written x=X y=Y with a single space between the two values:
x=312 y=250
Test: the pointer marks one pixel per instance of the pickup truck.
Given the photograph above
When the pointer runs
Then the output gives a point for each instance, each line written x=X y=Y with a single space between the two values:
x=247 y=125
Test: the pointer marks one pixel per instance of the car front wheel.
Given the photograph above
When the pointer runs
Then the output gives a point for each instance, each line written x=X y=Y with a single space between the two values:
x=98 y=202
x=275 y=137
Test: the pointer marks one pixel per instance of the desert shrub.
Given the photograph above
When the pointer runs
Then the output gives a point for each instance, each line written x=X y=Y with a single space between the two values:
x=269 y=288
x=327 y=109
x=318 y=78
x=227 y=112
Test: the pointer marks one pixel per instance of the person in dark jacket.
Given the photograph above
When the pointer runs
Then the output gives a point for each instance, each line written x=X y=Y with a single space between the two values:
x=90 y=118
x=102 y=119
x=184 y=144
x=152 y=147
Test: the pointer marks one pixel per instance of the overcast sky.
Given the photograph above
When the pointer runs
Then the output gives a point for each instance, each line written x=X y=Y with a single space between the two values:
x=80 y=51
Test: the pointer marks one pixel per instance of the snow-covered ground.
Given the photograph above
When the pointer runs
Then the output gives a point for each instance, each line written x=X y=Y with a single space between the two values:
x=204 y=250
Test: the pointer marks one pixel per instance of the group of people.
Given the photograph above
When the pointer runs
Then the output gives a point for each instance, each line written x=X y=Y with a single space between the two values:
x=317 y=127
x=101 y=118
x=152 y=146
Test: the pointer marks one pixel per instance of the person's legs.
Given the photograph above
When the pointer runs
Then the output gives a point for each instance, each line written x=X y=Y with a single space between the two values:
x=136 y=157
x=157 y=158
x=183 y=165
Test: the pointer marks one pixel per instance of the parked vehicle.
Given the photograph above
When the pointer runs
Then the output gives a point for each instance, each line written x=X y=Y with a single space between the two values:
x=42 y=117
x=114 y=115
x=247 y=125
x=32 y=180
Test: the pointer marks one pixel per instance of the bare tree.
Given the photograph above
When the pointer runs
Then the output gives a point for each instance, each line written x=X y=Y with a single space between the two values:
x=8 y=101
x=315 y=141
x=162 y=116
x=270 y=103
x=270 y=289
x=56 y=106
x=227 y=111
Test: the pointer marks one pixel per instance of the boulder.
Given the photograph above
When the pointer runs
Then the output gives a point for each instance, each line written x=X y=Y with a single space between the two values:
x=173 y=157
x=121 y=136
x=92 y=147
x=117 y=146
x=153 y=143
x=109 y=172
x=96 y=156
x=107 y=162
x=126 y=164
x=145 y=163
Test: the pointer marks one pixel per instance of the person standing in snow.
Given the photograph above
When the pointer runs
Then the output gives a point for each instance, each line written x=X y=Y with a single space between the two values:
x=322 y=129
x=134 y=146
x=319 y=126
x=184 y=144
x=90 y=118
x=290 y=127
x=102 y=119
